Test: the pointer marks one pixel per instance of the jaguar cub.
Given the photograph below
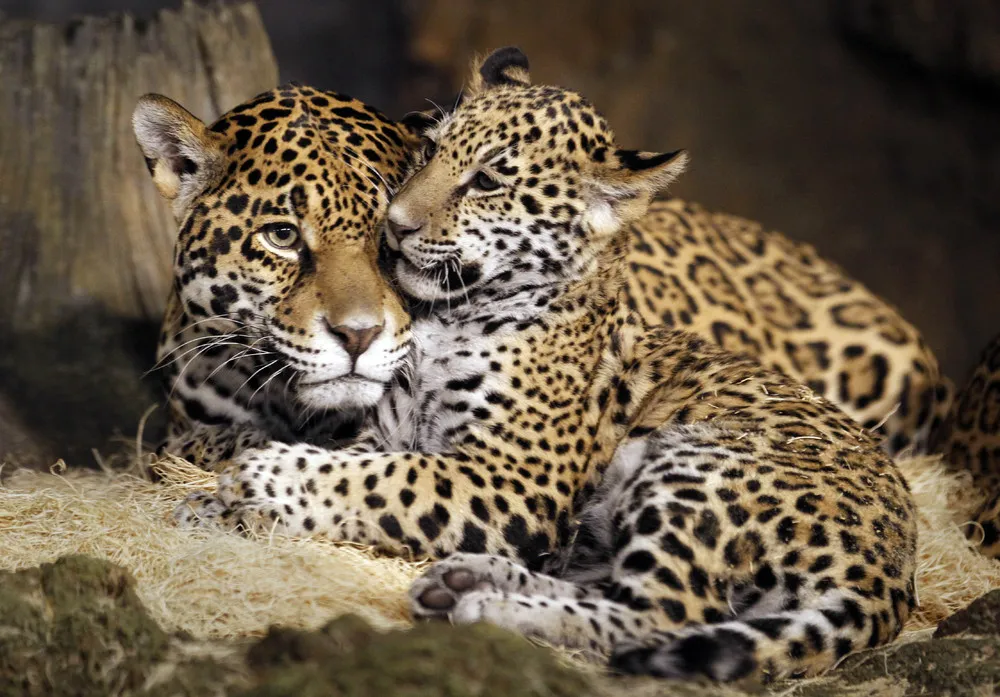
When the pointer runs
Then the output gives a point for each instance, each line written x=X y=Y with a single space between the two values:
x=632 y=491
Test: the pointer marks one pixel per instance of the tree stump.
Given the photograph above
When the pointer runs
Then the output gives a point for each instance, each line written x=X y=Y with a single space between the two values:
x=85 y=242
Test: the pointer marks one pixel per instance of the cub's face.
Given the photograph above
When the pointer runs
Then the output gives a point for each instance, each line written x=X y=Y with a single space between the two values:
x=522 y=184
x=279 y=204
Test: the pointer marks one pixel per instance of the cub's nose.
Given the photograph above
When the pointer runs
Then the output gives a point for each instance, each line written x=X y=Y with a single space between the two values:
x=355 y=341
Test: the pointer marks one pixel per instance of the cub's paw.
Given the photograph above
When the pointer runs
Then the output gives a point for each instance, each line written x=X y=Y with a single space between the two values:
x=199 y=510
x=438 y=593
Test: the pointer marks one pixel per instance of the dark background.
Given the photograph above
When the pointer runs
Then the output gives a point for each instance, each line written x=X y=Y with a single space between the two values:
x=868 y=128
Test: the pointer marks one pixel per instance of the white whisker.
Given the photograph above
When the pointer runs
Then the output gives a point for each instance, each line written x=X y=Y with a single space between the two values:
x=247 y=381
x=268 y=381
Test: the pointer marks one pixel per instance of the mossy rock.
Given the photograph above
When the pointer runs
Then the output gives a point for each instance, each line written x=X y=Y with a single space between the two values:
x=76 y=627
x=347 y=657
x=964 y=667
x=981 y=618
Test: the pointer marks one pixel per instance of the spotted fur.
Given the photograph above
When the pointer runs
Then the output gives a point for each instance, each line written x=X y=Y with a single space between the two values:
x=629 y=490
x=970 y=440
x=754 y=291
x=235 y=371
x=280 y=326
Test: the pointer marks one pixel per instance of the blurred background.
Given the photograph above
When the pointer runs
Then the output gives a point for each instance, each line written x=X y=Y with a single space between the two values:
x=868 y=128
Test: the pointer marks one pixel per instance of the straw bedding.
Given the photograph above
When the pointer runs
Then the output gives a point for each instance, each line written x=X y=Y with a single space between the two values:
x=216 y=585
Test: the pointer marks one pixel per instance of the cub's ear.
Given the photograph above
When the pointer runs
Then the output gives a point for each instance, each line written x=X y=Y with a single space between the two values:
x=182 y=155
x=505 y=67
x=623 y=182
x=636 y=173
x=417 y=123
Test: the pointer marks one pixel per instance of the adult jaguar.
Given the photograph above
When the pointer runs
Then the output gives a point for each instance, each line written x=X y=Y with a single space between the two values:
x=696 y=511
x=970 y=441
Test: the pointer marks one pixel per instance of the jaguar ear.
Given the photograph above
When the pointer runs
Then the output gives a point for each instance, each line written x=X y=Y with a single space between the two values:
x=623 y=182
x=182 y=155
x=635 y=173
x=418 y=123
x=505 y=67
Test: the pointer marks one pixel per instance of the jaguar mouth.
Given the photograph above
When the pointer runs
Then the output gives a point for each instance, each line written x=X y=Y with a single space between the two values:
x=448 y=275
x=351 y=378
x=344 y=392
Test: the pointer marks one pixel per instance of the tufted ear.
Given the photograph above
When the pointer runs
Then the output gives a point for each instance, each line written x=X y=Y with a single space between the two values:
x=419 y=122
x=623 y=182
x=505 y=67
x=182 y=155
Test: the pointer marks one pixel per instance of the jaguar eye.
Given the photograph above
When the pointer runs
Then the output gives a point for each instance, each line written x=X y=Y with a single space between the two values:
x=430 y=149
x=485 y=182
x=281 y=235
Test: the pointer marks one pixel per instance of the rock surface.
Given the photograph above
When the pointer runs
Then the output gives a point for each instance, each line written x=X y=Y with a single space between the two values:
x=76 y=627
x=981 y=618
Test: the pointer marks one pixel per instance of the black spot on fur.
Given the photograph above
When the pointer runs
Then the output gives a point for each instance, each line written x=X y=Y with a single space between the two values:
x=473 y=539
x=639 y=561
x=391 y=526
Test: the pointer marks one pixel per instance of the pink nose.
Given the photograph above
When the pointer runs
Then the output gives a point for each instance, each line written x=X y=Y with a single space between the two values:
x=355 y=341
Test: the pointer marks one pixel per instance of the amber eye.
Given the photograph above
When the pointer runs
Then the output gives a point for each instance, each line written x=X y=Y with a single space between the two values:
x=485 y=182
x=430 y=149
x=281 y=235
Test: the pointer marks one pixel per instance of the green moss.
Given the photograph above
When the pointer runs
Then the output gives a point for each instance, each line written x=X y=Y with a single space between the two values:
x=65 y=624
x=76 y=627
x=346 y=657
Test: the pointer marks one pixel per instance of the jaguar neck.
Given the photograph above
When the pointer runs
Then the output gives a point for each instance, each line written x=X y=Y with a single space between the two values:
x=596 y=288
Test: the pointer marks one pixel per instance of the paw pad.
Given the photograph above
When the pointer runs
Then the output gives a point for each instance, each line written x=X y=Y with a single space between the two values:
x=439 y=591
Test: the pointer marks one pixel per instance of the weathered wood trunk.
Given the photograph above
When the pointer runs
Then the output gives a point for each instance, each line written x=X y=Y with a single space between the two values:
x=85 y=242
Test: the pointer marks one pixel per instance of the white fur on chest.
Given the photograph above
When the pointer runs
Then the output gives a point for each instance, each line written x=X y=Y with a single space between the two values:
x=449 y=382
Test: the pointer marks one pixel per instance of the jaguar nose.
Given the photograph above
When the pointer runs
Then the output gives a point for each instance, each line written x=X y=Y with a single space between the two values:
x=401 y=229
x=354 y=340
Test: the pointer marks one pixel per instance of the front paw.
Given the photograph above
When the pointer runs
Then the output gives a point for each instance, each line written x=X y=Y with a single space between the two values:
x=269 y=488
x=447 y=584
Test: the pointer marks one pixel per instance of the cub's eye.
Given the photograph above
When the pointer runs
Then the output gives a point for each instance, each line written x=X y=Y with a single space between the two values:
x=430 y=149
x=281 y=235
x=485 y=182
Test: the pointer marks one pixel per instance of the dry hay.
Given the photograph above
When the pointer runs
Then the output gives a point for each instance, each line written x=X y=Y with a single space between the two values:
x=225 y=586
x=209 y=584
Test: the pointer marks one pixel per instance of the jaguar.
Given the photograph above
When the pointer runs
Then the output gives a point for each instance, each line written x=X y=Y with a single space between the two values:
x=280 y=324
x=969 y=440
x=632 y=490
x=281 y=327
